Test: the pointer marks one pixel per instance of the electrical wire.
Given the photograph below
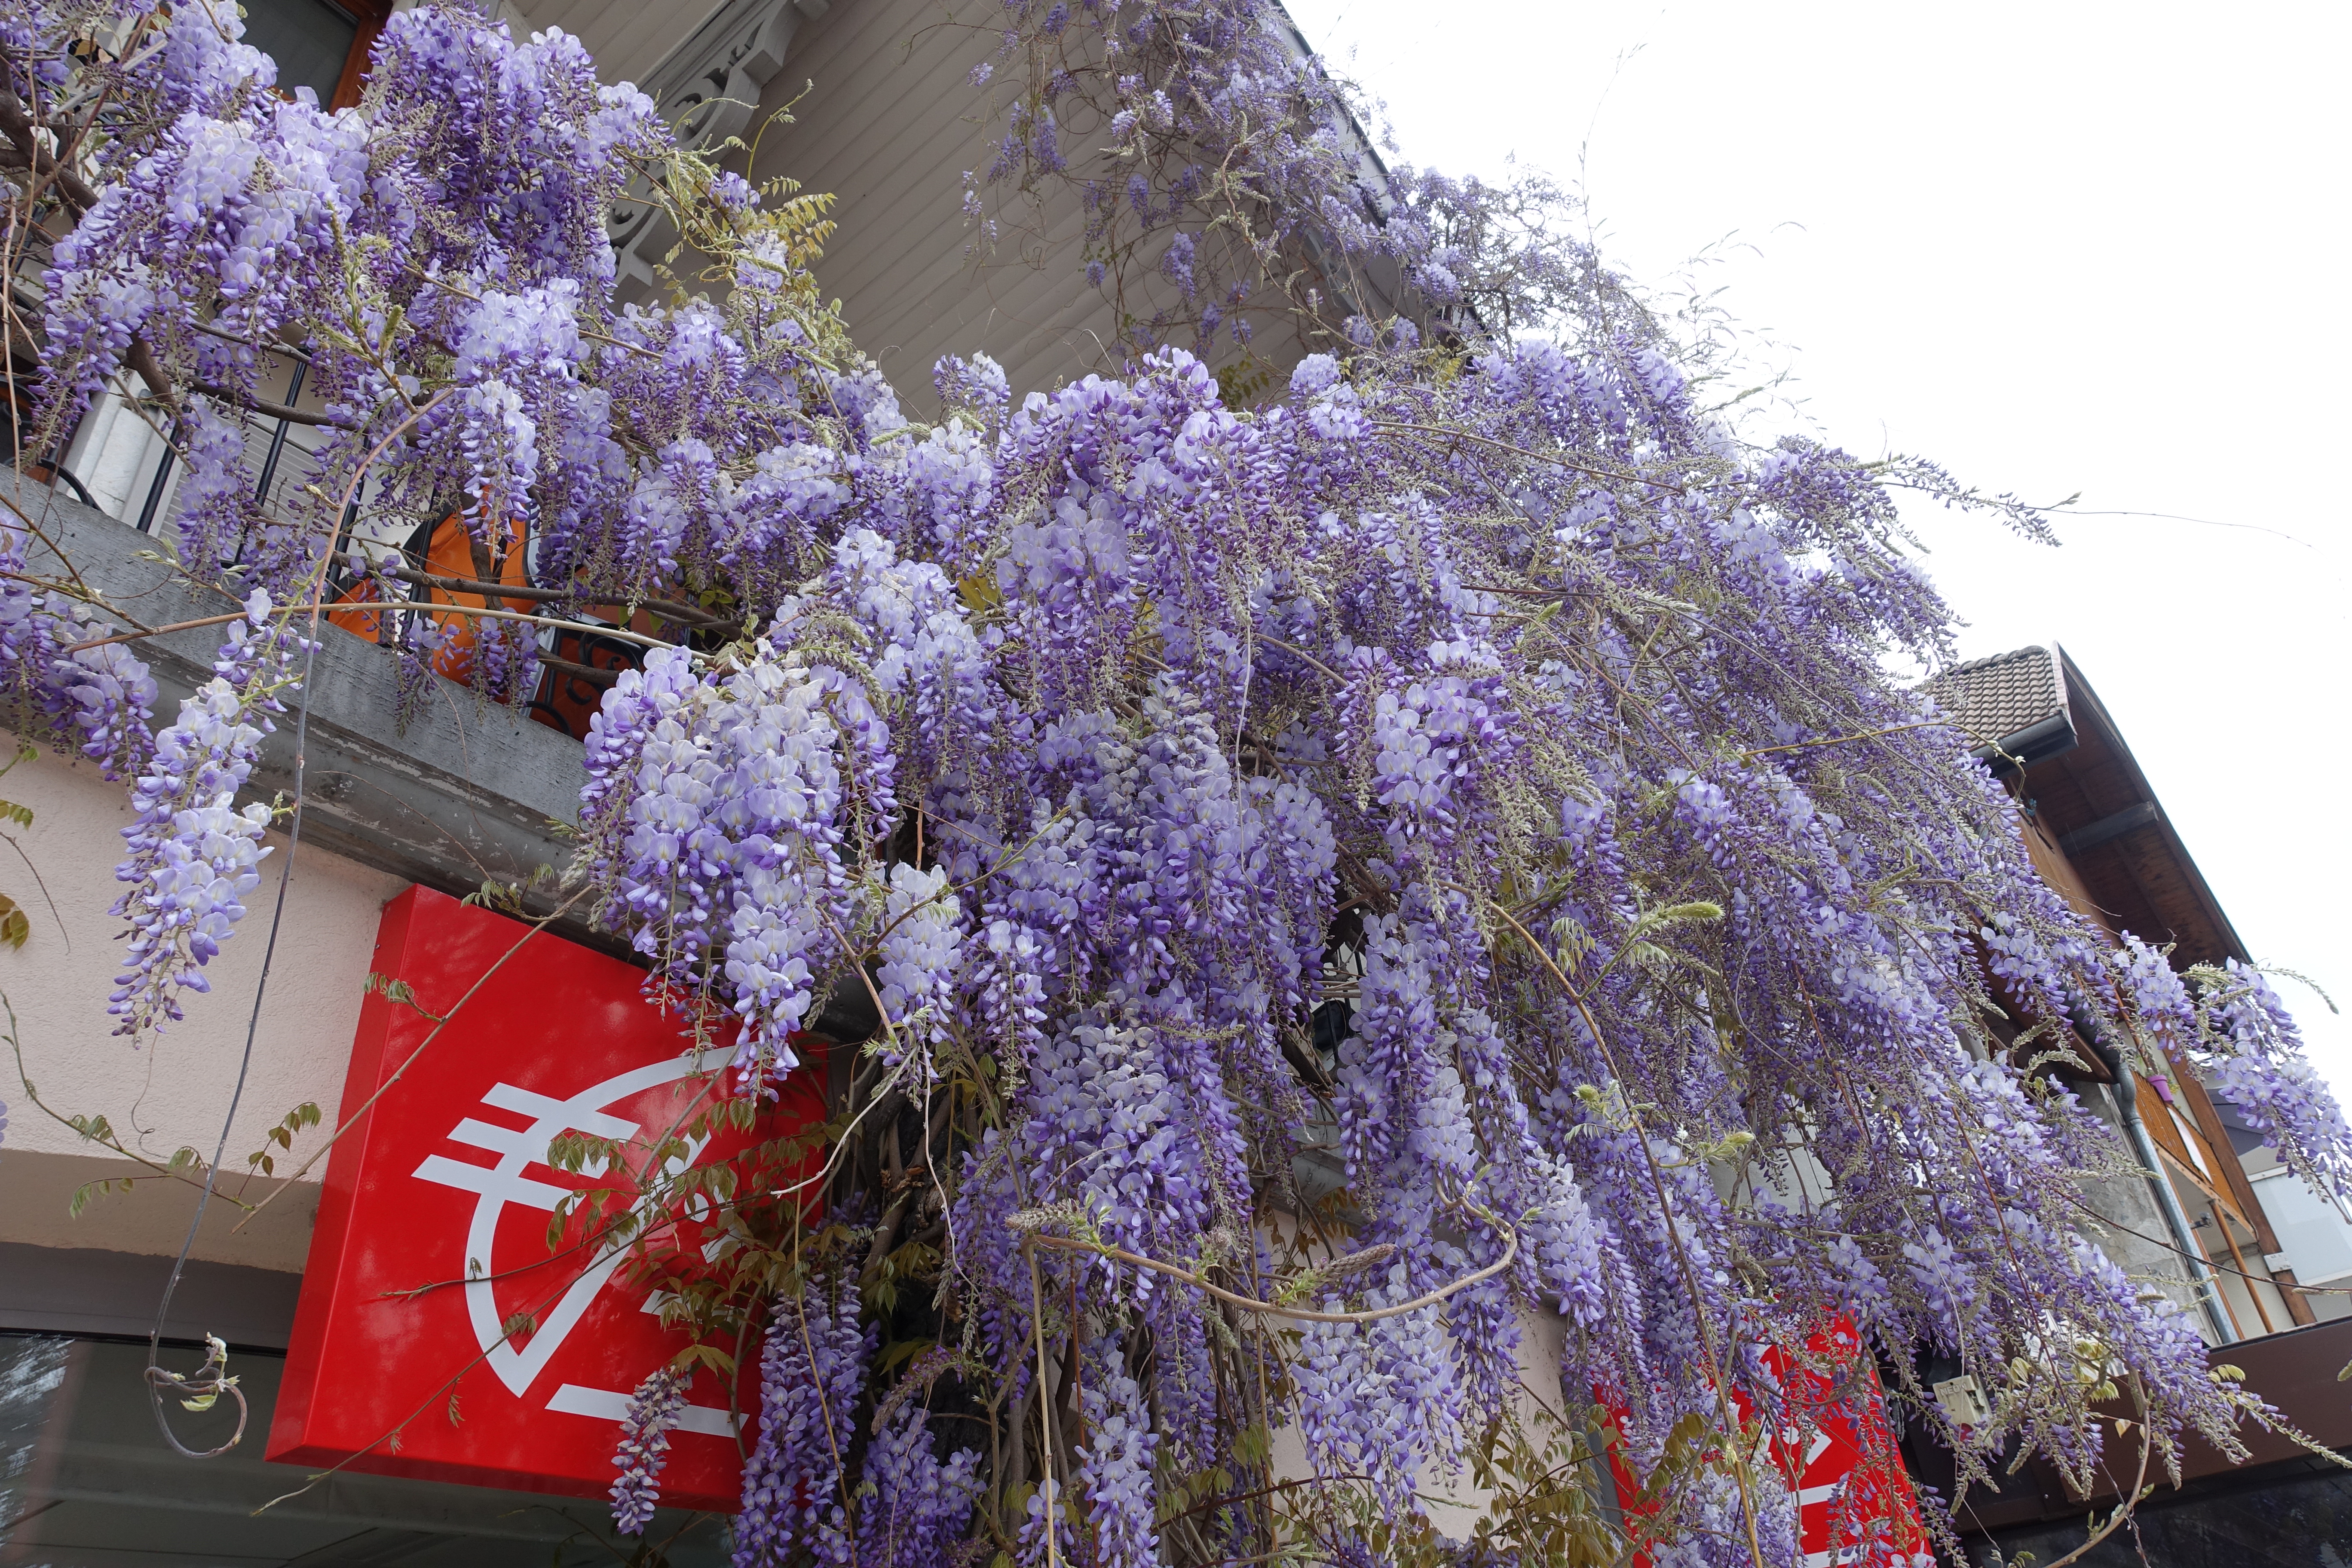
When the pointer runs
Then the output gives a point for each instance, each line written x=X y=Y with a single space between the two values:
x=210 y=1380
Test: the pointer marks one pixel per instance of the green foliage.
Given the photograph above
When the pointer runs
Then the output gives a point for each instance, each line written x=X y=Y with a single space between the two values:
x=400 y=994
x=282 y=1137
x=88 y=1190
x=1244 y=383
x=506 y=898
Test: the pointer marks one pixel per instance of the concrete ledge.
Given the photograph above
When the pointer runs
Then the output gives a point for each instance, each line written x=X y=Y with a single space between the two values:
x=86 y=1290
x=469 y=793
x=151 y=1220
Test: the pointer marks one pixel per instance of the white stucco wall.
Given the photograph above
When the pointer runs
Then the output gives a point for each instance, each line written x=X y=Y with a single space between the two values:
x=172 y=1090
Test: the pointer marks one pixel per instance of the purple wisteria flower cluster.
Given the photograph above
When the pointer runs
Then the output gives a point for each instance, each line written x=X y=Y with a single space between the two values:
x=645 y=1449
x=195 y=853
x=2236 y=1032
x=907 y=1507
x=1436 y=846
x=98 y=698
x=916 y=1506
x=796 y=1481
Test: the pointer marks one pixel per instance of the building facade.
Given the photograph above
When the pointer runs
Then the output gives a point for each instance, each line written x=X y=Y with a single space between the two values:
x=2209 y=1217
x=464 y=796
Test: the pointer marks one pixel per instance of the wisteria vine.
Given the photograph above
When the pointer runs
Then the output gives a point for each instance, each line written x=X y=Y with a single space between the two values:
x=1334 y=882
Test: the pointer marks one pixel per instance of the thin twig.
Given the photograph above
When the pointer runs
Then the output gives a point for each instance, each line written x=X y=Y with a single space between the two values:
x=1271 y=1309
x=2125 y=1509
x=1300 y=653
x=1052 y=1518
x=269 y=410
x=369 y=1104
x=1553 y=459
x=1842 y=739
x=157 y=631
x=386 y=606
x=116 y=1144
x=515 y=591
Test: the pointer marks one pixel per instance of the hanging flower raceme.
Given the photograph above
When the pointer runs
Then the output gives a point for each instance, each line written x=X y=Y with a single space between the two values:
x=195 y=853
x=2261 y=1068
x=1451 y=811
x=63 y=677
x=212 y=243
x=645 y=1449
x=921 y=950
x=919 y=1505
x=727 y=832
x=795 y=1491
x=1115 y=1466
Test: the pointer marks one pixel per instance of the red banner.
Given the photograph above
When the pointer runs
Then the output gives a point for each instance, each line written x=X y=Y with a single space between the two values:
x=1855 y=1506
x=438 y=1334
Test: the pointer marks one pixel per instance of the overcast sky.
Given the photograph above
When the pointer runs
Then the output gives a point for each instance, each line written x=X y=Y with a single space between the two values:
x=2058 y=248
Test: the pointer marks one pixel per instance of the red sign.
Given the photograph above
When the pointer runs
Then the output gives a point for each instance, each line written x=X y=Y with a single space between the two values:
x=438 y=1335
x=1856 y=1508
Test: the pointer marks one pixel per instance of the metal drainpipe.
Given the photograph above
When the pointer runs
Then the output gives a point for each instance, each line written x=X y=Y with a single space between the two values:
x=2207 y=1288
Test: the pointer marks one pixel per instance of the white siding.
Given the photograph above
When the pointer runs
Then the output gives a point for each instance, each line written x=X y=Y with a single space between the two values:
x=627 y=37
x=888 y=121
x=2314 y=1238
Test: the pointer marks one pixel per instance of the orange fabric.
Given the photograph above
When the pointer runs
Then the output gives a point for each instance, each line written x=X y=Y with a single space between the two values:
x=569 y=701
x=368 y=624
x=449 y=553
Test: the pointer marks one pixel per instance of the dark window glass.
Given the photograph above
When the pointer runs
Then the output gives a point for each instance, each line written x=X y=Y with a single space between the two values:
x=85 y=1482
x=309 y=39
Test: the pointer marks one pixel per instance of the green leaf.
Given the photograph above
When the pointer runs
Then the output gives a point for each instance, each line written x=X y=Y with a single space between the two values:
x=711 y=1356
x=88 y=1190
x=897 y=1356
x=303 y=1115
x=14 y=928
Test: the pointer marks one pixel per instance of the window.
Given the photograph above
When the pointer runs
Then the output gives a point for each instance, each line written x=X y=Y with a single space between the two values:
x=317 y=44
x=85 y=1482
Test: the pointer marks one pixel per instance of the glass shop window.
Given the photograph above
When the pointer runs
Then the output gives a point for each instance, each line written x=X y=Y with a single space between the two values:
x=87 y=1482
